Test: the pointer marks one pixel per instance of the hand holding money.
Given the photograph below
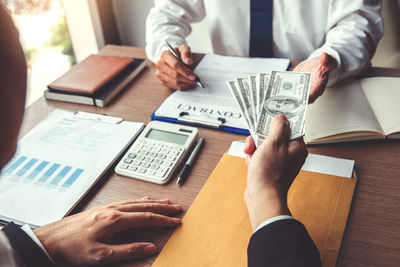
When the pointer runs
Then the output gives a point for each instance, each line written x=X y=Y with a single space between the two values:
x=320 y=67
x=260 y=98
x=271 y=170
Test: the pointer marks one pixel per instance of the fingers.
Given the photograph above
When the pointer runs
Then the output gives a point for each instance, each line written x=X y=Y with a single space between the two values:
x=279 y=129
x=318 y=87
x=249 y=146
x=186 y=54
x=172 y=83
x=151 y=207
x=328 y=62
x=298 y=149
x=120 y=221
x=111 y=253
x=183 y=70
x=142 y=200
x=170 y=78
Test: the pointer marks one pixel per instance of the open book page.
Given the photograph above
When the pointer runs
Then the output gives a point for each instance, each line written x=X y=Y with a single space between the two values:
x=383 y=94
x=341 y=109
x=216 y=100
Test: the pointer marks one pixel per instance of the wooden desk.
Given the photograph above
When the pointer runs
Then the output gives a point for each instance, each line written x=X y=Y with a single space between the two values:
x=373 y=230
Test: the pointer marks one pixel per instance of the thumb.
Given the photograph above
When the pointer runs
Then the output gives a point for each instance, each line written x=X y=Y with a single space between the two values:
x=186 y=54
x=249 y=146
x=128 y=251
x=328 y=62
x=279 y=129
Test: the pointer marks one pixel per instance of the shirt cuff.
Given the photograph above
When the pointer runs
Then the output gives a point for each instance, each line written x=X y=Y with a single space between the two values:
x=32 y=235
x=274 y=219
x=155 y=50
x=334 y=75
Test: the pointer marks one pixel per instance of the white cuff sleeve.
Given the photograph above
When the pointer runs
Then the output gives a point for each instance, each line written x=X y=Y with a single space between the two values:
x=334 y=74
x=32 y=235
x=274 y=219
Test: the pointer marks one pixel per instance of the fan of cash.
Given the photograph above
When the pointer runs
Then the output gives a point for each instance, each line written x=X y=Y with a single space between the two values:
x=261 y=97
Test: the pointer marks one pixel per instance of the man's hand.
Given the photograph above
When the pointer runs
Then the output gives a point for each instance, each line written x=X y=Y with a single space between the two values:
x=320 y=67
x=84 y=238
x=172 y=73
x=271 y=170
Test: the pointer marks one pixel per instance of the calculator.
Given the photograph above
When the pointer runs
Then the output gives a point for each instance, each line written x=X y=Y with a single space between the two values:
x=157 y=152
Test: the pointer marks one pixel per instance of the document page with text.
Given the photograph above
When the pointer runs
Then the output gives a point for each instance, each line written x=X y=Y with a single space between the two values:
x=216 y=101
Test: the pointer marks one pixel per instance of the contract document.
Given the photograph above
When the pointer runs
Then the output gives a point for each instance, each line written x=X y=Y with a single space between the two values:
x=58 y=162
x=215 y=104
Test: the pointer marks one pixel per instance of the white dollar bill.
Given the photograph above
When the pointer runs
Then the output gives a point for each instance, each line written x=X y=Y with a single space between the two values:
x=287 y=93
x=262 y=83
x=236 y=95
x=254 y=95
x=244 y=91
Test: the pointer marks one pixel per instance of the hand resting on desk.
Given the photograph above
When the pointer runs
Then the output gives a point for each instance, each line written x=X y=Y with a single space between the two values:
x=83 y=238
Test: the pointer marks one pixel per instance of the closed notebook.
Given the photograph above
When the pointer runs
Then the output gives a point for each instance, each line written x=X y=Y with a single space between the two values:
x=90 y=75
x=216 y=230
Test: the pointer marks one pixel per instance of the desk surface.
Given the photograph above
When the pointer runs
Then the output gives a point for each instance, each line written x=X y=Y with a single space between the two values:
x=373 y=229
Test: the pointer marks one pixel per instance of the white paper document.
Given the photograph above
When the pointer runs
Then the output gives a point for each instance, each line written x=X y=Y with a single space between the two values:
x=57 y=163
x=314 y=163
x=215 y=101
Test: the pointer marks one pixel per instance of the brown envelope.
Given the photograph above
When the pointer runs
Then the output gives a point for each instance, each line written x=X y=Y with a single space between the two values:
x=90 y=75
x=215 y=230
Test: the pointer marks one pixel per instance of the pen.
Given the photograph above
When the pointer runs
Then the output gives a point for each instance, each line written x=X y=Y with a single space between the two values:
x=172 y=50
x=188 y=165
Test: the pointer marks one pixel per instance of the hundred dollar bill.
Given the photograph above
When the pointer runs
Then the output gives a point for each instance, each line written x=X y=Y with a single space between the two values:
x=254 y=94
x=287 y=93
x=262 y=83
x=244 y=91
x=236 y=95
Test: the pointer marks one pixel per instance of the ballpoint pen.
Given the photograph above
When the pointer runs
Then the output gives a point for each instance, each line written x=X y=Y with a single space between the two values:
x=188 y=165
x=172 y=50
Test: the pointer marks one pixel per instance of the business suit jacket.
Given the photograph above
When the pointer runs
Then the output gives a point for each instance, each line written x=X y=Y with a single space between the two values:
x=24 y=251
x=282 y=243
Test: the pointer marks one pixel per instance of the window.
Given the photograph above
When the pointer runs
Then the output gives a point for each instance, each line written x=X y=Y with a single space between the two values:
x=45 y=39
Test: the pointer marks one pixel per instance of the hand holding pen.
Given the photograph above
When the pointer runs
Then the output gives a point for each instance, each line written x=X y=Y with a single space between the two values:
x=173 y=71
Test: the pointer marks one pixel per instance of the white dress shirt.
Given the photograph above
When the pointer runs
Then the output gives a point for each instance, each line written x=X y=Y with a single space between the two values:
x=347 y=30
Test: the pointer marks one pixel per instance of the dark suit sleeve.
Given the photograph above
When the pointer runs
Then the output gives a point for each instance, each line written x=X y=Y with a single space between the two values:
x=282 y=243
x=28 y=252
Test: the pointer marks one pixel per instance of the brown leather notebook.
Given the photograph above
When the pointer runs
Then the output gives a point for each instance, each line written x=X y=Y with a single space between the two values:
x=215 y=230
x=90 y=74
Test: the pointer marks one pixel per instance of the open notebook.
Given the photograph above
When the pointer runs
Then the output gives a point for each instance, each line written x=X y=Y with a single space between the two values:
x=215 y=230
x=355 y=110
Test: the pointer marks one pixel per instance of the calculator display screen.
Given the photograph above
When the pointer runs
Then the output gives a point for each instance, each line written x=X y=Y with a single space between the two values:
x=160 y=135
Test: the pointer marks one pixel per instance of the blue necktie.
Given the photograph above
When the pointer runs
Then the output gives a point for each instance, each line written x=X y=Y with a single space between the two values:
x=261 y=28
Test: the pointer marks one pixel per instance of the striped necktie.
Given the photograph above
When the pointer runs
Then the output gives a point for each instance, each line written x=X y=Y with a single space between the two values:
x=261 y=28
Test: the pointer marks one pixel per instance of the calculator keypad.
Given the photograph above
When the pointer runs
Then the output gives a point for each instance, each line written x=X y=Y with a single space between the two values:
x=151 y=158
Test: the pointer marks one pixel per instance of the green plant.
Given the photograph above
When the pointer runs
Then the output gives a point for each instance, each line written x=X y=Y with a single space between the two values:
x=60 y=37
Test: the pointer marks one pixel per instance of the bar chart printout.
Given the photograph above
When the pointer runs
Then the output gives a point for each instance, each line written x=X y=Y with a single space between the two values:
x=58 y=162
x=43 y=172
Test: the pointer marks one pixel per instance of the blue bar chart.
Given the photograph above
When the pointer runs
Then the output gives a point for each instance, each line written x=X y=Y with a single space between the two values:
x=38 y=169
x=73 y=178
x=16 y=164
x=43 y=172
